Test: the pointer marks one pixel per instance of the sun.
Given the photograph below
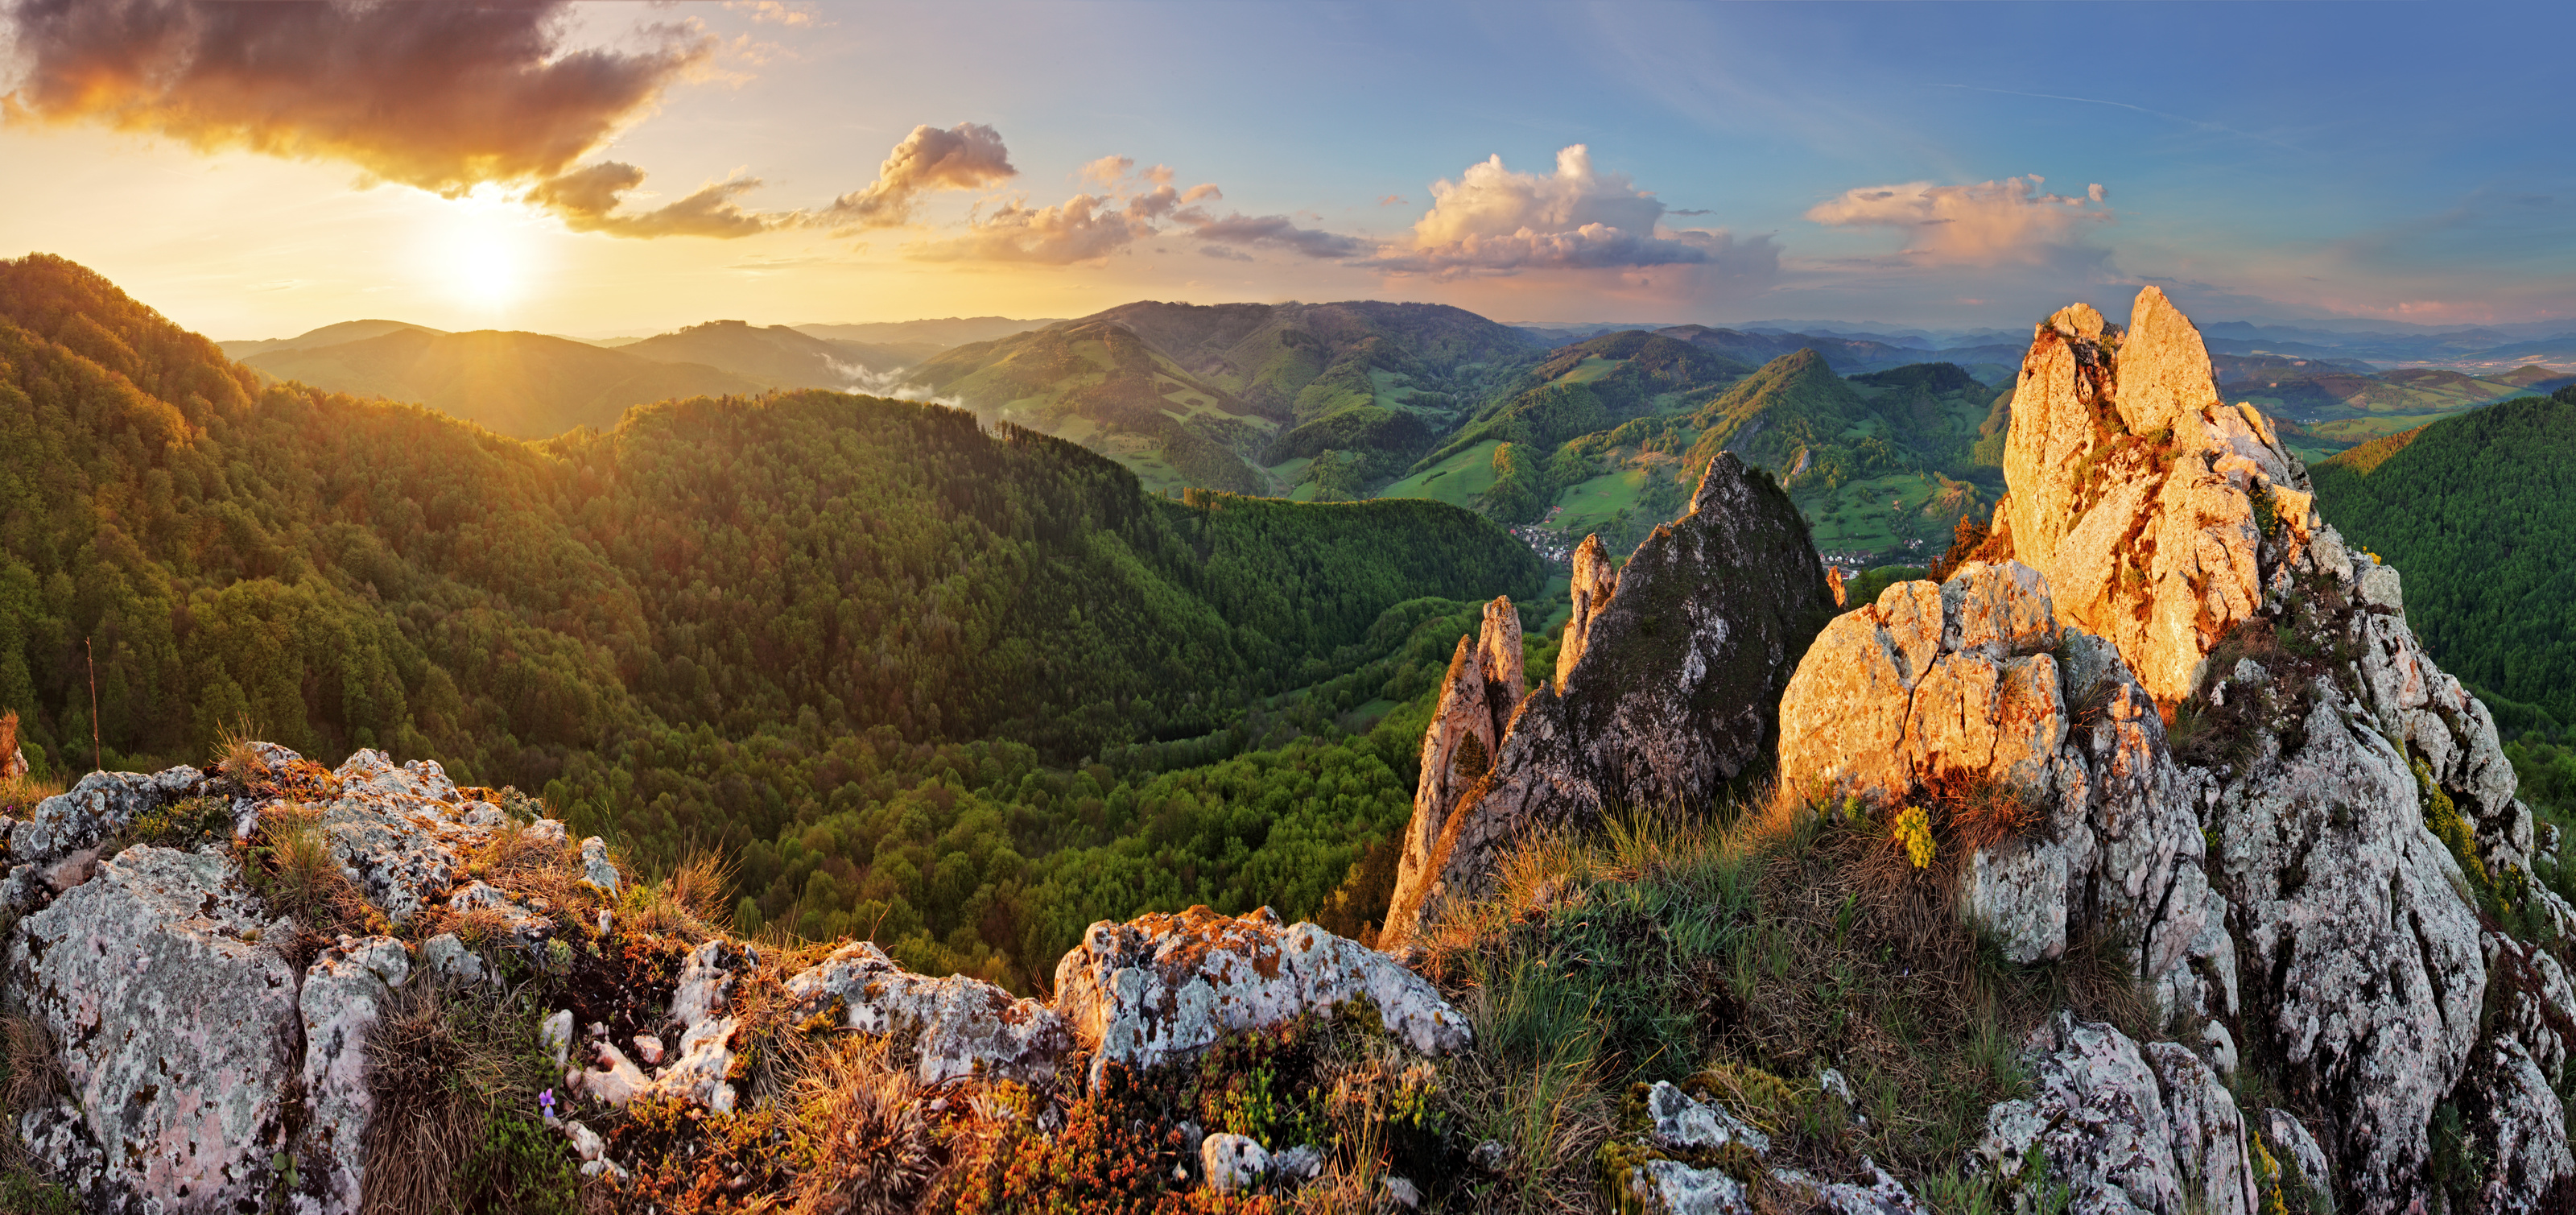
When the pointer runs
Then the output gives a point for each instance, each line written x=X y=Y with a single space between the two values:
x=483 y=272
x=481 y=253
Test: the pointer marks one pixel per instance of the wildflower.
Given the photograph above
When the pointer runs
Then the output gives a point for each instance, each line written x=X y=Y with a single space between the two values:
x=546 y=1104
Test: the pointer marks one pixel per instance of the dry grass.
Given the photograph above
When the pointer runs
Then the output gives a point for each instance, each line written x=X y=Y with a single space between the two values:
x=860 y=1128
x=423 y=1123
x=687 y=903
x=1743 y=954
x=236 y=758
x=19 y=790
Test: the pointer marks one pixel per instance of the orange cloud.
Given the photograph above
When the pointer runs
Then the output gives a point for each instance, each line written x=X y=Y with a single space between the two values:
x=439 y=96
x=964 y=157
x=1983 y=224
x=1495 y=221
x=585 y=198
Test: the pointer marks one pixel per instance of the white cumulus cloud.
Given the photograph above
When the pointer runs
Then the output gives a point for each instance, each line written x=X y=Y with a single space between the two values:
x=1496 y=221
x=1984 y=224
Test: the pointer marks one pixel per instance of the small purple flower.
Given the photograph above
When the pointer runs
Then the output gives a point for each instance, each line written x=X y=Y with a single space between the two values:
x=546 y=1103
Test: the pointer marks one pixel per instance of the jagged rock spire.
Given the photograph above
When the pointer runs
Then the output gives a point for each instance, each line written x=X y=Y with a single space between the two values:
x=1671 y=691
x=2153 y=509
x=1477 y=697
x=1594 y=583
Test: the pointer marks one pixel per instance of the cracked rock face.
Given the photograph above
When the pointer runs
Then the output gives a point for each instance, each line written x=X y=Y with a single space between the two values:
x=401 y=831
x=1672 y=694
x=1483 y=687
x=2138 y=493
x=176 y=1026
x=2351 y=912
x=2124 y=1129
x=1164 y=987
x=52 y=849
x=344 y=995
x=954 y=1027
x=1976 y=679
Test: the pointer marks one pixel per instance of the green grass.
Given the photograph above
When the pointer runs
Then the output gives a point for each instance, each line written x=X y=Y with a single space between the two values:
x=1589 y=505
x=1456 y=480
x=1590 y=369
x=1857 y=514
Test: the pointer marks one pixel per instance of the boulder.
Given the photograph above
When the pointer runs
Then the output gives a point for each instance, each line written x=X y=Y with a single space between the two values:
x=1975 y=680
x=176 y=1023
x=596 y=868
x=952 y=1028
x=54 y=847
x=402 y=832
x=344 y=994
x=1672 y=695
x=1231 y=1164
x=1164 y=987
x=2123 y=1129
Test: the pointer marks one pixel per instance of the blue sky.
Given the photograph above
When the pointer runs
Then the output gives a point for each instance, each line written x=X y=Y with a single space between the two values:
x=1854 y=162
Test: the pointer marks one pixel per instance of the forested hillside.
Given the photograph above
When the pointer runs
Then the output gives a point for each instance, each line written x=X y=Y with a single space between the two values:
x=2477 y=510
x=724 y=623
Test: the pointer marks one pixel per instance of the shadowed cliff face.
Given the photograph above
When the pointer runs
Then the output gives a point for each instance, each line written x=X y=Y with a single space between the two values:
x=1672 y=691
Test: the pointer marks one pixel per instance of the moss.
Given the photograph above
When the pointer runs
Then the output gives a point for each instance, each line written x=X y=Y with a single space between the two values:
x=186 y=823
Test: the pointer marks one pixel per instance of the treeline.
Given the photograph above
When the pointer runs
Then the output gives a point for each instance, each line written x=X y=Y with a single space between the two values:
x=687 y=629
x=2475 y=513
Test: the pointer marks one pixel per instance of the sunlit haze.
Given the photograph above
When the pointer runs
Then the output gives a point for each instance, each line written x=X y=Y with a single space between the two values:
x=1925 y=165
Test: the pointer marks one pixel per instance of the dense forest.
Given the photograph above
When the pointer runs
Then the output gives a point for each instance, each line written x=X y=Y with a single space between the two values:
x=2475 y=511
x=902 y=669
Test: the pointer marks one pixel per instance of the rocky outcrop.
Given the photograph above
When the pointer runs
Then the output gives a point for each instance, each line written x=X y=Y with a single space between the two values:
x=344 y=995
x=1164 y=987
x=1477 y=697
x=2144 y=500
x=1972 y=690
x=401 y=830
x=1670 y=696
x=53 y=848
x=1594 y=582
x=2124 y=1128
x=176 y=1025
x=2320 y=759
x=951 y=1028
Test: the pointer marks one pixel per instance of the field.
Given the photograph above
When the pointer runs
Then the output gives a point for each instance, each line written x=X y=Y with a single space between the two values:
x=1456 y=480
x=1590 y=505
x=1858 y=516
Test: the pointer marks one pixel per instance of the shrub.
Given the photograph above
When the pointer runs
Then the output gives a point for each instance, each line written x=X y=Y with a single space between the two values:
x=1914 y=830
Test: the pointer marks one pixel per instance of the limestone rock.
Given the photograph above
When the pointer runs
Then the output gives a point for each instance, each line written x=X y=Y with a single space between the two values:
x=176 y=1026
x=2351 y=911
x=1594 y=583
x=1931 y=686
x=2293 y=1146
x=1679 y=1122
x=1884 y=1195
x=2519 y=1126
x=2124 y=1130
x=1232 y=1163
x=1477 y=697
x=70 y=826
x=402 y=831
x=2140 y=495
x=1673 y=694
x=1164 y=987
x=596 y=867
x=344 y=994
x=953 y=1027
x=608 y=1075
x=447 y=956
x=1677 y=1188
x=700 y=1005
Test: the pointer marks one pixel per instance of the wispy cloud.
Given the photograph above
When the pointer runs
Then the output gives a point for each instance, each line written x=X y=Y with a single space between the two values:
x=1982 y=224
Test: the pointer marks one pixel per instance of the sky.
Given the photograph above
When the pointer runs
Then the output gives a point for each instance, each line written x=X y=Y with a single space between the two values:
x=259 y=169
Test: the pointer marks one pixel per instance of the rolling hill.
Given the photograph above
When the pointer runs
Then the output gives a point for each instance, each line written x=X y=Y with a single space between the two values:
x=525 y=385
x=776 y=355
x=328 y=335
x=2475 y=509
